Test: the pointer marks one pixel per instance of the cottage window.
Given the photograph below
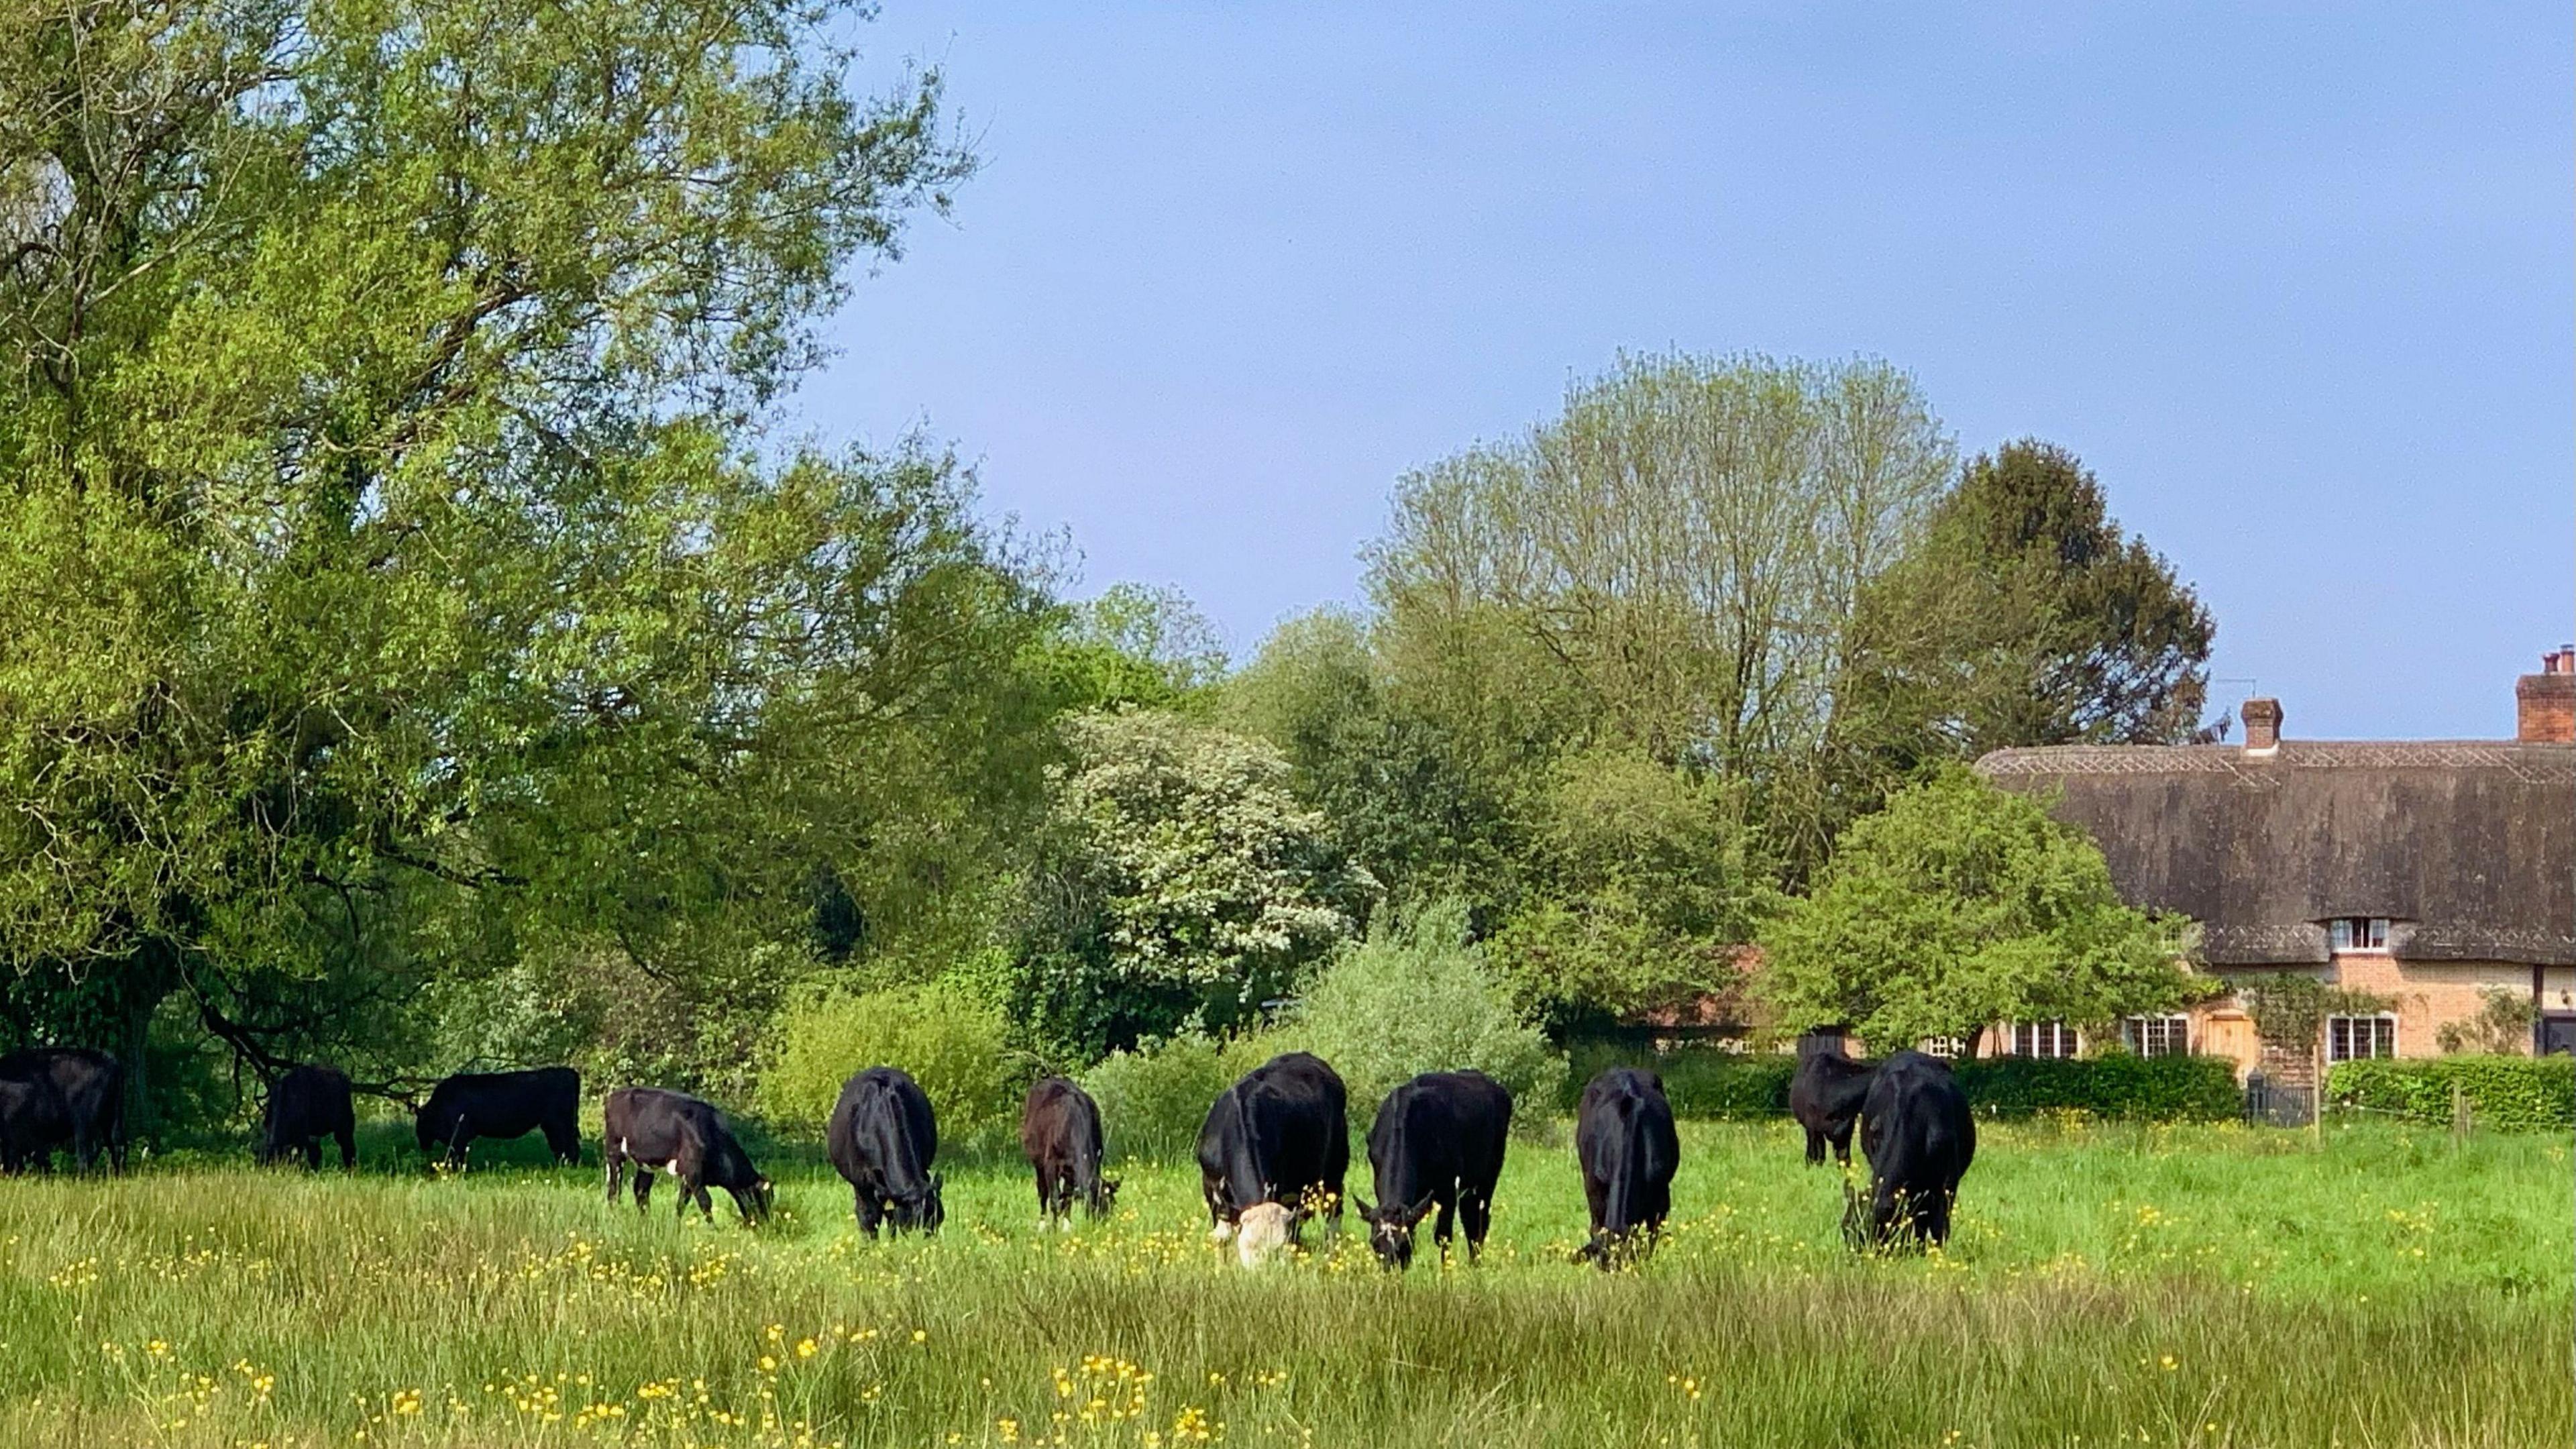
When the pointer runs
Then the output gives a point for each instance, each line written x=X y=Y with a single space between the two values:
x=2042 y=1039
x=2358 y=933
x=2157 y=1036
x=1947 y=1048
x=2352 y=1037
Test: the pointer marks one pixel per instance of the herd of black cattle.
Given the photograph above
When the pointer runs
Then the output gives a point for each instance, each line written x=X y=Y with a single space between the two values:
x=1274 y=1149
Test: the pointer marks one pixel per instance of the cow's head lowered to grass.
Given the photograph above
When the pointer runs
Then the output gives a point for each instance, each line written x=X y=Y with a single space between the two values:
x=1391 y=1228
x=921 y=1210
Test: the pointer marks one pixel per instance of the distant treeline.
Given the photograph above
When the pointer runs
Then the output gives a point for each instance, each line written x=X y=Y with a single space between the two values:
x=418 y=650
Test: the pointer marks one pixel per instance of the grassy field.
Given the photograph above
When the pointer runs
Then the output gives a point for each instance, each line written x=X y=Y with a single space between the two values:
x=2182 y=1286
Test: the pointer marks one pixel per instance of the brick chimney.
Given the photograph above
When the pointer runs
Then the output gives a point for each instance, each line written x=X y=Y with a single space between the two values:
x=2262 y=726
x=2544 y=704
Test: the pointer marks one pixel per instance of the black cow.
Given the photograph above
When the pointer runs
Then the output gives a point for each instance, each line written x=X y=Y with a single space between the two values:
x=1060 y=1134
x=1279 y=1135
x=686 y=1137
x=883 y=1139
x=304 y=1106
x=1825 y=1096
x=502 y=1104
x=1624 y=1138
x=1438 y=1140
x=25 y=1111
x=1917 y=1132
x=77 y=1101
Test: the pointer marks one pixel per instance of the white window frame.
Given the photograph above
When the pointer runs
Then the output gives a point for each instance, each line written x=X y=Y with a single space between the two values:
x=2167 y=1035
x=2339 y=1036
x=2026 y=1038
x=1947 y=1048
x=2358 y=935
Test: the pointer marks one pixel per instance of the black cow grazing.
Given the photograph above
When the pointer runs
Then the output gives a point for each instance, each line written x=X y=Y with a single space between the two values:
x=502 y=1104
x=25 y=1112
x=1438 y=1140
x=686 y=1137
x=77 y=1100
x=1060 y=1134
x=1917 y=1132
x=1624 y=1138
x=1279 y=1135
x=1825 y=1096
x=304 y=1106
x=883 y=1139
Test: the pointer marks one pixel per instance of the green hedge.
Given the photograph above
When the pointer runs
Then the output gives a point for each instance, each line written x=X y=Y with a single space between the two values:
x=1707 y=1083
x=2146 y=1089
x=2504 y=1092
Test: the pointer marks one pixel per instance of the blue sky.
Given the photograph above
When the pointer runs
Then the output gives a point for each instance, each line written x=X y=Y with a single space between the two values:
x=2296 y=281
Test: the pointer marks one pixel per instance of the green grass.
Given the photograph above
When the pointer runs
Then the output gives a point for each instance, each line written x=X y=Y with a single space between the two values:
x=2199 y=1286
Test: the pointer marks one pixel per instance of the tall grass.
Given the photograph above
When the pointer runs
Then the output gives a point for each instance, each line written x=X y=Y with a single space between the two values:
x=2178 y=1286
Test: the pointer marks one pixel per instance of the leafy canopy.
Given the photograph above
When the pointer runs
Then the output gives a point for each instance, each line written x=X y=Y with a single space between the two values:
x=394 y=581
x=1960 y=905
x=2025 y=616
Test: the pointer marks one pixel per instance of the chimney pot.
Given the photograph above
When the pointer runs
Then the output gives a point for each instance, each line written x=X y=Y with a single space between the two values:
x=2262 y=726
x=2544 y=704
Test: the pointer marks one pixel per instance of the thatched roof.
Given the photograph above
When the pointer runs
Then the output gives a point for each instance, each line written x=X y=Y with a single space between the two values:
x=2469 y=848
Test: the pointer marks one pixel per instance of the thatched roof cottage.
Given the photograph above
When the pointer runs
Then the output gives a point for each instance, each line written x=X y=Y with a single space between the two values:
x=2430 y=873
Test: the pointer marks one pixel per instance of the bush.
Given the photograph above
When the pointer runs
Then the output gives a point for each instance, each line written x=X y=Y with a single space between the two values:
x=1710 y=1082
x=1703 y=1082
x=2513 y=1093
x=950 y=1042
x=1153 y=1099
x=2146 y=1089
x=1416 y=997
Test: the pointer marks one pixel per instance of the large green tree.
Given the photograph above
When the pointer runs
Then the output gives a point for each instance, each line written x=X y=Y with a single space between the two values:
x=1960 y=905
x=1402 y=794
x=393 y=580
x=1669 y=567
x=2024 y=616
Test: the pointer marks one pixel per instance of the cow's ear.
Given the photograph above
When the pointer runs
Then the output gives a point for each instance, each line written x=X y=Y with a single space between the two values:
x=938 y=1182
x=1420 y=1210
x=1360 y=1205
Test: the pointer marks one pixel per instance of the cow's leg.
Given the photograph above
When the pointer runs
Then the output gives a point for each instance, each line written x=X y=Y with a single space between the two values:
x=1478 y=1210
x=706 y=1204
x=312 y=1154
x=563 y=1138
x=870 y=1212
x=1442 y=1226
x=1842 y=1144
x=1046 y=1197
x=347 y=1137
x=643 y=1186
x=1815 y=1147
x=612 y=1165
